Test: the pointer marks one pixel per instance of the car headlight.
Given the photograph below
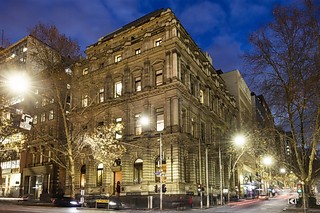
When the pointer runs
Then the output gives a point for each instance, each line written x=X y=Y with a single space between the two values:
x=73 y=202
x=112 y=203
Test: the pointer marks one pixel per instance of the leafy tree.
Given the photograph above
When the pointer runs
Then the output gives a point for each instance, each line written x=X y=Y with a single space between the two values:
x=56 y=53
x=285 y=65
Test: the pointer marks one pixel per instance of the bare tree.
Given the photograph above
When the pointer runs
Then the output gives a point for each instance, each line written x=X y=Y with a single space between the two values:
x=56 y=53
x=285 y=65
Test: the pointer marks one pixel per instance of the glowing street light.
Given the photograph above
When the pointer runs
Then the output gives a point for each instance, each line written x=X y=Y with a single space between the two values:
x=267 y=161
x=18 y=82
x=240 y=140
x=144 y=120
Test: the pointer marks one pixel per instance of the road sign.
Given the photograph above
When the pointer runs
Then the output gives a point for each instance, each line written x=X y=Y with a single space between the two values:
x=292 y=201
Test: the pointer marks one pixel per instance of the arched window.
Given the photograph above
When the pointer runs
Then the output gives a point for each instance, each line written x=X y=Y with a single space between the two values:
x=99 y=174
x=138 y=171
x=83 y=176
x=157 y=169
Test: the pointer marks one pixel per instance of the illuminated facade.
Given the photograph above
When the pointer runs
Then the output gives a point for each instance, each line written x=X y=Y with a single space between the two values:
x=152 y=67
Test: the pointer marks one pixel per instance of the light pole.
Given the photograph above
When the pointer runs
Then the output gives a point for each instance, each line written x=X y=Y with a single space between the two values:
x=144 y=120
x=160 y=159
x=238 y=141
x=267 y=161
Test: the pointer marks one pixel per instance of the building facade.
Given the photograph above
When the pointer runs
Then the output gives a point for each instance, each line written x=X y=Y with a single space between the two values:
x=39 y=176
x=152 y=67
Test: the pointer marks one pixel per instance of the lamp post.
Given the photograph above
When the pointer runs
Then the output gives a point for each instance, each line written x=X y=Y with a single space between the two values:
x=267 y=161
x=146 y=121
x=239 y=141
x=283 y=171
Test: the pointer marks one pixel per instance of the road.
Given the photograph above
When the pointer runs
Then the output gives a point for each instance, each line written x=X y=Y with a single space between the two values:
x=273 y=205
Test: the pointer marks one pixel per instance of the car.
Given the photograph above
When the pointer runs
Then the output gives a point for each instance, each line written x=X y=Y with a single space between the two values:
x=108 y=202
x=263 y=197
x=66 y=202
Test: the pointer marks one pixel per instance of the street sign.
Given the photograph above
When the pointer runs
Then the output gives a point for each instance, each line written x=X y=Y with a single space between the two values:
x=292 y=201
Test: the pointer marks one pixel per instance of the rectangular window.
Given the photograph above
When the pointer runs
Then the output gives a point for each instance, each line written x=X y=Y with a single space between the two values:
x=99 y=174
x=159 y=77
x=85 y=100
x=85 y=71
x=44 y=102
x=157 y=42
x=35 y=119
x=50 y=115
x=160 y=119
x=201 y=96
x=203 y=132
x=137 y=83
x=117 y=89
x=137 y=51
x=118 y=133
x=138 y=126
x=101 y=95
x=43 y=117
x=117 y=58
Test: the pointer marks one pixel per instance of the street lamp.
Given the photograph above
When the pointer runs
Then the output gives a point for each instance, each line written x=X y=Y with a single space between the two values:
x=17 y=82
x=283 y=171
x=146 y=121
x=238 y=141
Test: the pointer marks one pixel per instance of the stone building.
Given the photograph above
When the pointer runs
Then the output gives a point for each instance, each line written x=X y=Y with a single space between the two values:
x=152 y=67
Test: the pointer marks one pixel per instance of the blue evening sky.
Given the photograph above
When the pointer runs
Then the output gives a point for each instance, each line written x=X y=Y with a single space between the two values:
x=220 y=27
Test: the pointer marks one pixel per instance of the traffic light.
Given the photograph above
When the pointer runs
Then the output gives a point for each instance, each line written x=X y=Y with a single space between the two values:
x=155 y=188
x=164 y=188
x=199 y=188
x=299 y=188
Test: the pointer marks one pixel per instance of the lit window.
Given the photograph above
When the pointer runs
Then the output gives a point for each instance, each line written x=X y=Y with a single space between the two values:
x=101 y=95
x=50 y=115
x=138 y=126
x=44 y=102
x=159 y=77
x=118 y=133
x=85 y=101
x=117 y=58
x=117 y=89
x=68 y=71
x=35 y=119
x=85 y=71
x=99 y=174
x=24 y=49
x=138 y=171
x=137 y=83
x=43 y=117
x=157 y=42
x=160 y=119
x=201 y=97
x=83 y=176
x=137 y=51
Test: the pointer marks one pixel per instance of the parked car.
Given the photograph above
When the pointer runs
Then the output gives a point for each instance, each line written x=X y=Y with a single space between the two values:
x=99 y=201
x=263 y=197
x=66 y=202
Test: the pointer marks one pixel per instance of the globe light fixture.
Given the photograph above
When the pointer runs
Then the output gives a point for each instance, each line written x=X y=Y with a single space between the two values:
x=239 y=140
x=18 y=82
x=267 y=160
